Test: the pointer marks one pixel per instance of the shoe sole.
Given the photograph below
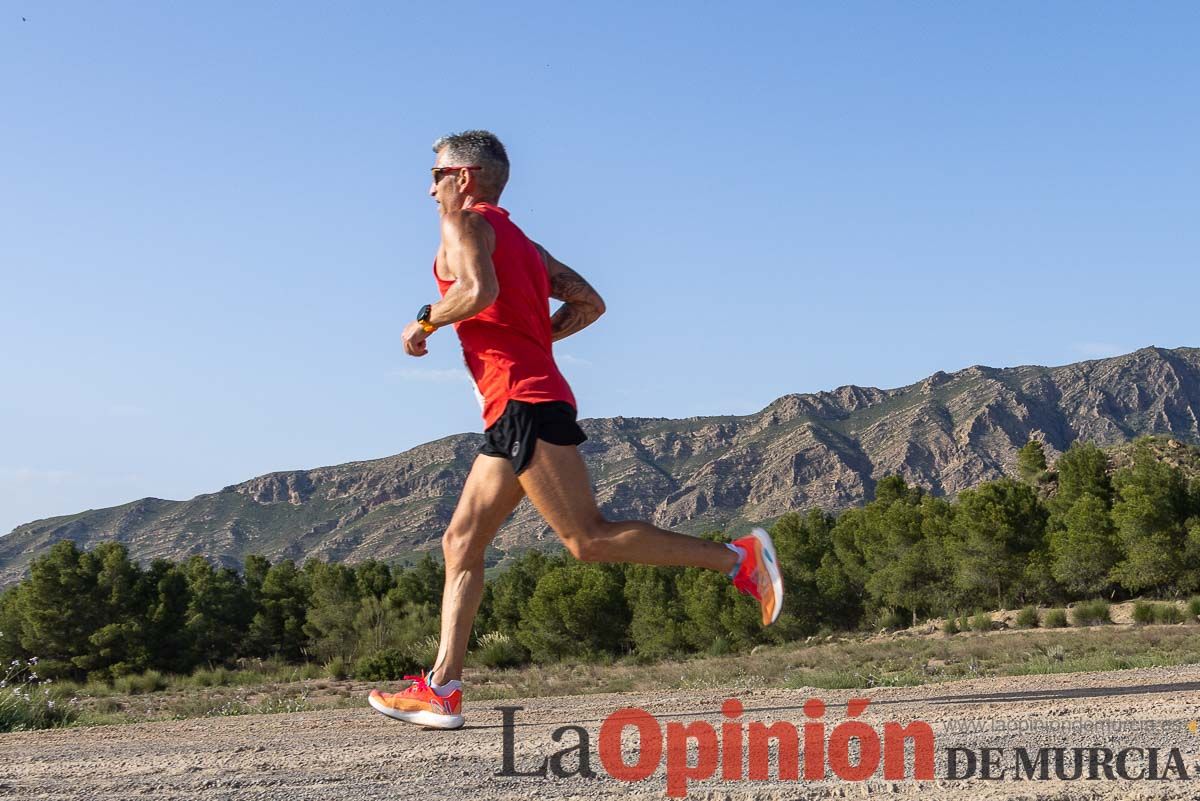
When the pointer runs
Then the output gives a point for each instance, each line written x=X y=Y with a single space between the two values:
x=767 y=557
x=421 y=718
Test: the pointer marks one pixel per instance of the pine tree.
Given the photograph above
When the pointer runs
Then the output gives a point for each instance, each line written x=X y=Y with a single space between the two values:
x=333 y=603
x=817 y=592
x=1082 y=470
x=170 y=648
x=122 y=595
x=277 y=628
x=1085 y=550
x=58 y=610
x=1031 y=462
x=509 y=593
x=218 y=611
x=996 y=526
x=1150 y=514
x=373 y=578
x=422 y=583
x=577 y=609
x=656 y=614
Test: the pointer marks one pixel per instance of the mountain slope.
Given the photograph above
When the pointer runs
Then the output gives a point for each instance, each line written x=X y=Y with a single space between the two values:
x=946 y=433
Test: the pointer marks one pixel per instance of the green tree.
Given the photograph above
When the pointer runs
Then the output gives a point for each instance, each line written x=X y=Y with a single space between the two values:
x=166 y=631
x=121 y=596
x=1150 y=514
x=703 y=596
x=218 y=611
x=422 y=583
x=901 y=571
x=817 y=592
x=848 y=531
x=577 y=610
x=996 y=526
x=58 y=610
x=333 y=606
x=277 y=627
x=717 y=617
x=1189 y=580
x=1031 y=462
x=378 y=625
x=884 y=551
x=11 y=624
x=254 y=573
x=373 y=578
x=657 y=619
x=1082 y=470
x=509 y=593
x=1085 y=550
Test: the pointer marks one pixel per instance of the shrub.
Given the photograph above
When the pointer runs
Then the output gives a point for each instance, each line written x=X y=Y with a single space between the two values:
x=1194 y=607
x=217 y=677
x=1168 y=613
x=1027 y=618
x=311 y=670
x=891 y=620
x=1090 y=613
x=389 y=664
x=1055 y=619
x=498 y=650
x=950 y=625
x=140 y=683
x=337 y=669
x=1145 y=612
x=981 y=621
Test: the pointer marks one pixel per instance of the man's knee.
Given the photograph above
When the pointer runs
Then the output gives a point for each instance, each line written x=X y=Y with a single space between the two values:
x=462 y=545
x=589 y=543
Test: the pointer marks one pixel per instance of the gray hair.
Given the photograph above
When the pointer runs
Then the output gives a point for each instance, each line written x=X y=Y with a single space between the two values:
x=483 y=148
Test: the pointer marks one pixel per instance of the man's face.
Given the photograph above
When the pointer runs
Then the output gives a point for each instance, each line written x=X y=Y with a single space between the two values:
x=445 y=188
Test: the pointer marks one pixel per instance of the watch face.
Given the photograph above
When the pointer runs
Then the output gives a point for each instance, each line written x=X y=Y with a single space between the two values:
x=423 y=314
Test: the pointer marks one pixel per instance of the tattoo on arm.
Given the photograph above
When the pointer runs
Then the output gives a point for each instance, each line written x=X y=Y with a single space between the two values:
x=570 y=286
x=582 y=304
x=567 y=320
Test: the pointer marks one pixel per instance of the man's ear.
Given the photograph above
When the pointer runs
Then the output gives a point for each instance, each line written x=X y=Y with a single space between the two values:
x=465 y=179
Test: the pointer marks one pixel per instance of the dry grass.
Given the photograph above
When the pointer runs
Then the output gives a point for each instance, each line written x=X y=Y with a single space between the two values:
x=902 y=659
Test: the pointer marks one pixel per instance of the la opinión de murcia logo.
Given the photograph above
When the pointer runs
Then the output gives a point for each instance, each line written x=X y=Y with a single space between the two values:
x=741 y=750
x=739 y=745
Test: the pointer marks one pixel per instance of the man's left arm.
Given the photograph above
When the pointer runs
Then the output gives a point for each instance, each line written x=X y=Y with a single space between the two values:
x=582 y=305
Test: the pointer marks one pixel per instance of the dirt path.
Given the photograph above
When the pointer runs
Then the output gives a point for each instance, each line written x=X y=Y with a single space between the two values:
x=359 y=754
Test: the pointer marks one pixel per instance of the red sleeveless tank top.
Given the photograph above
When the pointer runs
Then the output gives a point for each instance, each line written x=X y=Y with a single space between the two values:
x=507 y=346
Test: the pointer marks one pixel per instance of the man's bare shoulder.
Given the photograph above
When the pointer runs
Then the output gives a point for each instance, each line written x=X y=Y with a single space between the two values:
x=463 y=223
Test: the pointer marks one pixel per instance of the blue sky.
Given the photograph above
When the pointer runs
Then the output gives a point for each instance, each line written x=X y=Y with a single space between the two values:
x=214 y=221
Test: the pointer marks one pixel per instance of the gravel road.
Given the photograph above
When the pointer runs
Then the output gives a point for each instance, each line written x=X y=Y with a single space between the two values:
x=358 y=754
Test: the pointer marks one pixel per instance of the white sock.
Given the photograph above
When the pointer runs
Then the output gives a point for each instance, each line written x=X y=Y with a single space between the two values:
x=445 y=689
x=741 y=555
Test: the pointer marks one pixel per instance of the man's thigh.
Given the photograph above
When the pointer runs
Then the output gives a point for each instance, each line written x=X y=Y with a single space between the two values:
x=558 y=484
x=488 y=498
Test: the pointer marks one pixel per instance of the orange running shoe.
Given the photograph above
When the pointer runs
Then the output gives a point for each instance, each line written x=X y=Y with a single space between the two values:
x=759 y=574
x=419 y=704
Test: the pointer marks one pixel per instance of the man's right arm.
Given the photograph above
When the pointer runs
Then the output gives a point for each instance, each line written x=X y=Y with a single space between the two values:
x=582 y=304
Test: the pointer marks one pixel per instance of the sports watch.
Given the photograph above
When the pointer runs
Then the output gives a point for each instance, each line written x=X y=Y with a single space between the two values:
x=423 y=319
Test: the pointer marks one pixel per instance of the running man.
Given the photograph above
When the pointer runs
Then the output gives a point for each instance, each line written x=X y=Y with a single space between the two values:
x=495 y=285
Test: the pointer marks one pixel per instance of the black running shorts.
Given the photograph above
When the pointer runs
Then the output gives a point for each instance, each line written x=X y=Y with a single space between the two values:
x=516 y=433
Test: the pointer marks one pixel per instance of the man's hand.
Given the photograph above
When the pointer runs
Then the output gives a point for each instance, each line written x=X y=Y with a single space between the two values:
x=414 y=337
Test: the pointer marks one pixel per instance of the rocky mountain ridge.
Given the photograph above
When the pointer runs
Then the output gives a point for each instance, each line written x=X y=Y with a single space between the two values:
x=828 y=449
